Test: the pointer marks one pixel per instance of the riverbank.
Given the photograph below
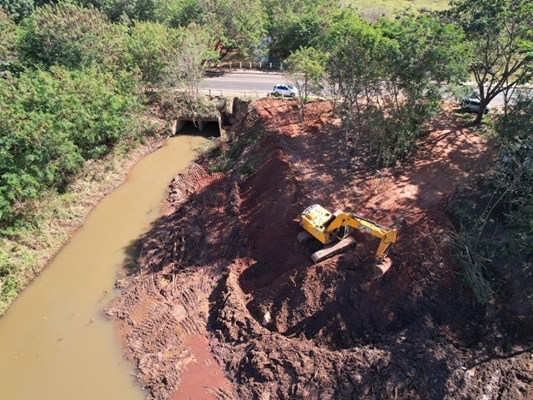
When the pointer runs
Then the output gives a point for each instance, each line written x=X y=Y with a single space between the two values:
x=25 y=253
x=53 y=337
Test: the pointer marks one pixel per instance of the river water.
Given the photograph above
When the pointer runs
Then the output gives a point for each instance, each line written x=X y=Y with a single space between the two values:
x=54 y=344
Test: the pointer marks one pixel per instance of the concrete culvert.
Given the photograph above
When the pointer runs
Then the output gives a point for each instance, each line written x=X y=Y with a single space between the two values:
x=208 y=125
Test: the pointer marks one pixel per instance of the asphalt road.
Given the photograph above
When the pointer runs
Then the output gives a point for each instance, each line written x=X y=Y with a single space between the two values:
x=261 y=83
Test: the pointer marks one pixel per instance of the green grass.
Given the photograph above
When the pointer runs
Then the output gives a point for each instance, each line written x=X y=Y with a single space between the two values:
x=16 y=264
x=226 y=158
x=369 y=8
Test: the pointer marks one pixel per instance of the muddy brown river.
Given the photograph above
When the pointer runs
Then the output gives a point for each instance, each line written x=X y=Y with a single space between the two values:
x=54 y=344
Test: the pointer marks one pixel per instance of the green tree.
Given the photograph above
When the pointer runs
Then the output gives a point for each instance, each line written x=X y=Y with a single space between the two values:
x=495 y=217
x=71 y=36
x=119 y=10
x=300 y=31
x=180 y=13
x=7 y=40
x=428 y=54
x=305 y=70
x=295 y=24
x=355 y=66
x=150 y=46
x=232 y=24
x=185 y=68
x=17 y=9
x=431 y=50
x=387 y=75
x=514 y=175
x=501 y=39
x=51 y=123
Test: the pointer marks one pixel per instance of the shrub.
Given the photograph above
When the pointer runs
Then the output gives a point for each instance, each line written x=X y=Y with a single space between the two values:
x=51 y=123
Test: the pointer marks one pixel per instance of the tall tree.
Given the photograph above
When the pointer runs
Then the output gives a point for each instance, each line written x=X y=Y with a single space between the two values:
x=295 y=24
x=119 y=10
x=355 y=64
x=387 y=74
x=305 y=69
x=501 y=38
x=150 y=46
x=51 y=122
x=514 y=171
x=185 y=67
x=72 y=36
x=17 y=9
x=232 y=24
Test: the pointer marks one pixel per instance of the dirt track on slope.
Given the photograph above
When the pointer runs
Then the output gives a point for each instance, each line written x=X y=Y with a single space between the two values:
x=223 y=263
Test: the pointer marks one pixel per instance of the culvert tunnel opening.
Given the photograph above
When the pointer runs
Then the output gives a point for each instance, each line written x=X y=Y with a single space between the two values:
x=206 y=128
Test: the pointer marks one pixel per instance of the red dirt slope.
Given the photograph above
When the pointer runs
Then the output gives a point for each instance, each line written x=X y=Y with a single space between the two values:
x=223 y=263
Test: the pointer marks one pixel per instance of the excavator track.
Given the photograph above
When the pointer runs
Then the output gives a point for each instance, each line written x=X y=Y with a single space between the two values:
x=332 y=249
x=304 y=237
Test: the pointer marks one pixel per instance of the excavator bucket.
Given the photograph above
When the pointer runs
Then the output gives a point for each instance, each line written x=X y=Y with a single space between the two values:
x=382 y=267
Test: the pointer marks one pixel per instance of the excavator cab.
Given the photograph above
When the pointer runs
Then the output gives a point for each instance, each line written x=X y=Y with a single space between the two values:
x=332 y=230
x=315 y=220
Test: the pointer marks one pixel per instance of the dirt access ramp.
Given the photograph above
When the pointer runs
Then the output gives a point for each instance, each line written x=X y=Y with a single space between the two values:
x=223 y=263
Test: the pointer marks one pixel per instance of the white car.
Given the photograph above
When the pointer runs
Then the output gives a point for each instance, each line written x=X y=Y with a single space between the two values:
x=285 y=90
x=472 y=105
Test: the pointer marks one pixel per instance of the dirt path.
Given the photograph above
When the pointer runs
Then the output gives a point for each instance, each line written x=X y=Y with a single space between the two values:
x=223 y=263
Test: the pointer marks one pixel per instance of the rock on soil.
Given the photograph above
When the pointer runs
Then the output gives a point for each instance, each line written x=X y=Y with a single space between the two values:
x=223 y=263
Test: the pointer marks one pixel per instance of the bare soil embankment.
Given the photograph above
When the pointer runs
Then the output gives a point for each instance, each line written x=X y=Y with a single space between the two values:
x=224 y=255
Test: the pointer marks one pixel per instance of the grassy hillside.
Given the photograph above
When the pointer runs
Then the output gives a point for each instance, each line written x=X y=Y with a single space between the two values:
x=376 y=8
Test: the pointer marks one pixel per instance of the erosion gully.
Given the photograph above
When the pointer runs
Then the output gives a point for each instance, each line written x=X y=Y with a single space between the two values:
x=54 y=343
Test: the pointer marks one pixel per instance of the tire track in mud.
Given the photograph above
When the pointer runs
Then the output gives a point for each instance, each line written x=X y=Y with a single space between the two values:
x=163 y=312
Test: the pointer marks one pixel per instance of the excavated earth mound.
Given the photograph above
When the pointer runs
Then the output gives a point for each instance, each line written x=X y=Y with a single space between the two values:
x=223 y=264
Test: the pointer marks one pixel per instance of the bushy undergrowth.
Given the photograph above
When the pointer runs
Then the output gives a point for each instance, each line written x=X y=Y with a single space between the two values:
x=52 y=123
x=493 y=241
x=26 y=246
x=226 y=157
x=473 y=252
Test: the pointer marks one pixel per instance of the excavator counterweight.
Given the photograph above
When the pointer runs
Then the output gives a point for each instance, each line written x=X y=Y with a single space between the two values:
x=333 y=231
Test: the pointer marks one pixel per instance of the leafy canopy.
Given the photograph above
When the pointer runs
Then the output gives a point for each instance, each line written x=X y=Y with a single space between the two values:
x=500 y=36
x=51 y=123
x=18 y=9
x=71 y=36
x=386 y=77
x=150 y=45
x=7 y=40
x=294 y=25
x=305 y=69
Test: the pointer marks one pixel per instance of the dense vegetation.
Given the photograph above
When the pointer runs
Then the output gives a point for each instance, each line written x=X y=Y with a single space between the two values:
x=493 y=238
x=77 y=76
x=73 y=89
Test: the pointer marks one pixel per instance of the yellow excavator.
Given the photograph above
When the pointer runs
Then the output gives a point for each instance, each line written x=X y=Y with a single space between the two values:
x=333 y=231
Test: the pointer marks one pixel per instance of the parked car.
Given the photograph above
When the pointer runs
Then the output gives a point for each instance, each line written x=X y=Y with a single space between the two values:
x=472 y=105
x=284 y=90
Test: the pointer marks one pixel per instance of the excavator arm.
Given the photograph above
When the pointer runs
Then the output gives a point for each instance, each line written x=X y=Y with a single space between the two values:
x=386 y=234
